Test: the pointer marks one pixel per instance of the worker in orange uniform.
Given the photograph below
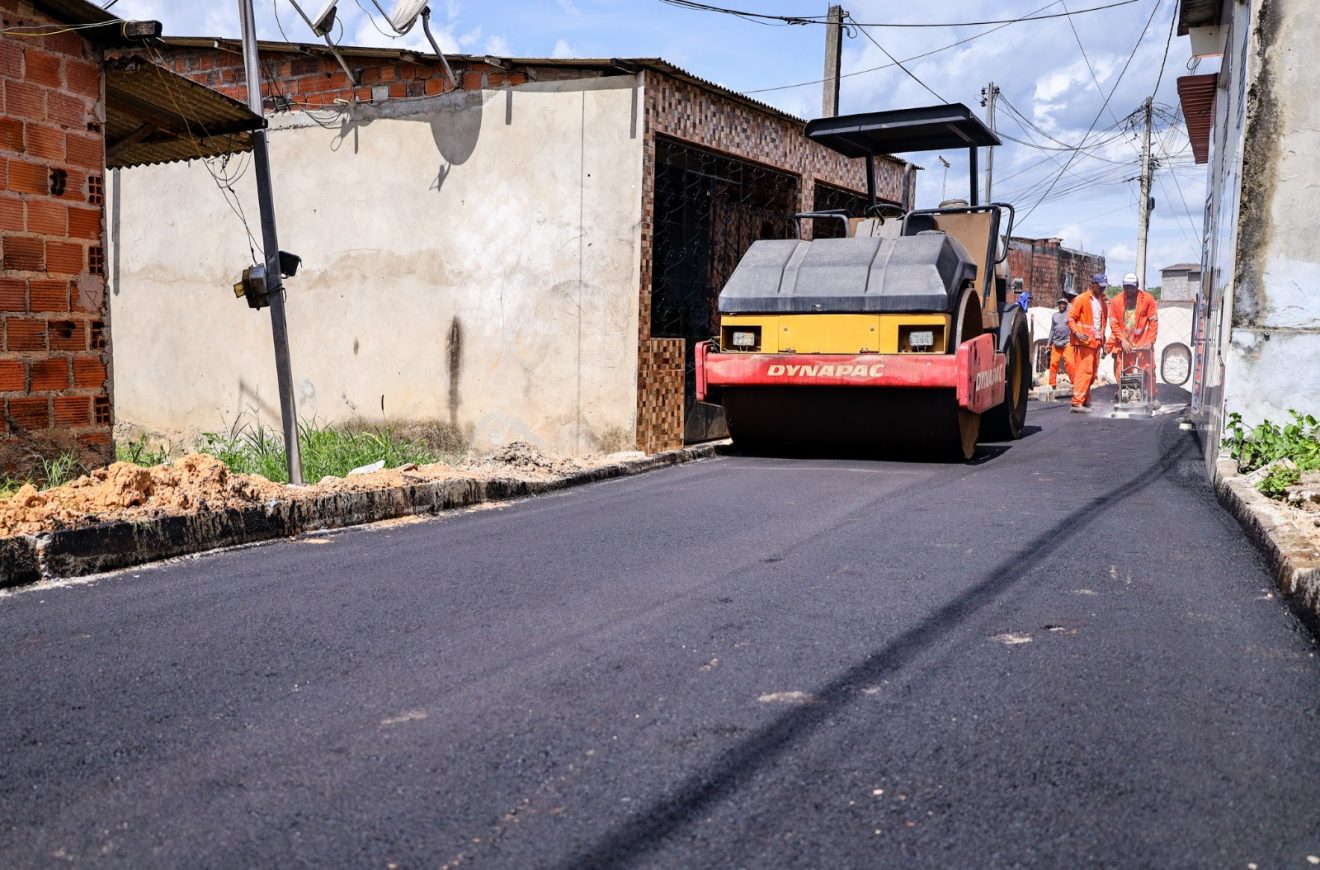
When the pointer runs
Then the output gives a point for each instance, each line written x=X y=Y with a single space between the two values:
x=1060 y=343
x=1134 y=321
x=1086 y=321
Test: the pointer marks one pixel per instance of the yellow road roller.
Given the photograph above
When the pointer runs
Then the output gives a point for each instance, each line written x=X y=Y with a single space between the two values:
x=900 y=336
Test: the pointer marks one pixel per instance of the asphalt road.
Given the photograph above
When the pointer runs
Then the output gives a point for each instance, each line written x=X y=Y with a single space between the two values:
x=1063 y=654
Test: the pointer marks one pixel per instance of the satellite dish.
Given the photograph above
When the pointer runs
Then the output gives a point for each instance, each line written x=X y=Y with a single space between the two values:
x=324 y=21
x=405 y=14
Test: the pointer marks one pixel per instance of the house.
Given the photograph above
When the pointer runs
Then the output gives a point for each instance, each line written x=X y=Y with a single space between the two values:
x=529 y=252
x=1252 y=119
x=1180 y=282
x=1048 y=270
x=67 y=114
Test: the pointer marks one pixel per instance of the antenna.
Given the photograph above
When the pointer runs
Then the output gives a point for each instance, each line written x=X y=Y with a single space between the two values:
x=404 y=15
x=324 y=21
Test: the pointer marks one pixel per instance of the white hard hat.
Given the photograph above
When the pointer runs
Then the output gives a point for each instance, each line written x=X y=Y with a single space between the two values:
x=1130 y=280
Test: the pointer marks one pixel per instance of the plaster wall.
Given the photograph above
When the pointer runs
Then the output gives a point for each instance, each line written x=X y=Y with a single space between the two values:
x=1275 y=331
x=471 y=258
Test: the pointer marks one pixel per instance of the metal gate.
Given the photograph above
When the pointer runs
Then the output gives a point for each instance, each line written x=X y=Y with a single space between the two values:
x=708 y=210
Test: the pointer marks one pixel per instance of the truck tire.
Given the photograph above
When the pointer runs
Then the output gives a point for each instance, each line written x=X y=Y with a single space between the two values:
x=1007 y=420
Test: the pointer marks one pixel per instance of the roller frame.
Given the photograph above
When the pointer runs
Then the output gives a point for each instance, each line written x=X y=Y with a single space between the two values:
x=975 y=371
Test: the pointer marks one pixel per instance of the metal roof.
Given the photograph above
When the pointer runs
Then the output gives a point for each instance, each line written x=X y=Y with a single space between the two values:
x=1182 y=267
x=1197 y=95
x=156 y=116
x=930 y=128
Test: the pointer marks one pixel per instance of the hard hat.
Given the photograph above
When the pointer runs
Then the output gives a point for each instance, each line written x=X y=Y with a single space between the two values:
x=1130 y=280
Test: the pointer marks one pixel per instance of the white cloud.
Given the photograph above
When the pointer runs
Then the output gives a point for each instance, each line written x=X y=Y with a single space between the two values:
x=570 y=8
x=563 y=49
x=498 y=46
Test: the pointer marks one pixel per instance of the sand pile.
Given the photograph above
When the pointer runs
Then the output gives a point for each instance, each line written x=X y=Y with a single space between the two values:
x=125 y=491
x=519 y=456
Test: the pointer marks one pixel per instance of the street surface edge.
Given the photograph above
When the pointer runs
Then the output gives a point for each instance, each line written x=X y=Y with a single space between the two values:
x=1294 y=559
x=59 y=555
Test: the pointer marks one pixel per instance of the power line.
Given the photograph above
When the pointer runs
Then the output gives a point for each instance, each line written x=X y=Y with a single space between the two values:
x=859 y=72
x=1154 y=8
x=911 y=75
x=761 y=17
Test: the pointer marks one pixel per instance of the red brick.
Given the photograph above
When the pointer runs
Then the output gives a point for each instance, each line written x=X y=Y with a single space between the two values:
x=47 y=217
x=65 y=258
x=83 y=78
x=26 y=177
x=68 y=110
x=25 y=333
x=68 y=42
x=88 y=372
x=85 y=223
x=29 y=413
x=95 y=439
x=23 y=100
x=13 y=294
x=45 y=143
x=11 y=59
x=48 y=375
x=12 y=379
x=48 y=296
x=73 y=411
x=24 y=254
x=86 y=152
x=42 y=68
x=11 y=135
x=11 y=214
x=398 y=89
x=436 y=86
x=68 y=335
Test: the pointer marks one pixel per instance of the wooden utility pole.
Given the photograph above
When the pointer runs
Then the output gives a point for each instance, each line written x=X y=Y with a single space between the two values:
x=1143 y=213
x=833 y=49
x=271 y=246
x=988 y=94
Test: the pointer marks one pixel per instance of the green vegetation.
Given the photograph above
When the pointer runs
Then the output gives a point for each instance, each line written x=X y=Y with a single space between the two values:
x=51 y=472
x=138 y=452
x=249 y=447
x=1298 y=442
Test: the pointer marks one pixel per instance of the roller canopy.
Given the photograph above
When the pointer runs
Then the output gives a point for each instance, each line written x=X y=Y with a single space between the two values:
x=932 y=128
x=860 y=275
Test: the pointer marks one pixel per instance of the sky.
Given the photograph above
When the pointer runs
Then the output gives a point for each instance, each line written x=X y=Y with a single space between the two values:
x=1071 y=173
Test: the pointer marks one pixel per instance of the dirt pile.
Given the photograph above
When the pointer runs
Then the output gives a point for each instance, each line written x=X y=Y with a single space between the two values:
x=125 y=491
x=519 y=456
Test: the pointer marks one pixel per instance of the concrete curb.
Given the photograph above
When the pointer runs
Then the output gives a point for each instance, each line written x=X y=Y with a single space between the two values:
x=1294 y=558
x=26 y=559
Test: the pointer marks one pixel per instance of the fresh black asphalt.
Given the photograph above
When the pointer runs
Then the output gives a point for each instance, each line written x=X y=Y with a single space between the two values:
x=1062 y=654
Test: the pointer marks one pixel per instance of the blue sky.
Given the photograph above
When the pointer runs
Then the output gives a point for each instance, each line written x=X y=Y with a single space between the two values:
x=1052 y=77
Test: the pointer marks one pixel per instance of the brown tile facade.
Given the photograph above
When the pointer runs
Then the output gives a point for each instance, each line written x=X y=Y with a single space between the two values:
x=686 y=111
x=1047 y=269
x=52 y=292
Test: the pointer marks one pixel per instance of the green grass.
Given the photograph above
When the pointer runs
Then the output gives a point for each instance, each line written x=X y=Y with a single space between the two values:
x=1297 y=441
x=249 y=447
x=138 y=453
x=50 y=472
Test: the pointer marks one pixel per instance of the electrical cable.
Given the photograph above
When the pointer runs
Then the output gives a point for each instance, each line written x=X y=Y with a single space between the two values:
x=1128 y=63
x=824 y=19
x=911 y=75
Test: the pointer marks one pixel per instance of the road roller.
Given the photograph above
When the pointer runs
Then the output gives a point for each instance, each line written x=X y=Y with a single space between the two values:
x=898 y=336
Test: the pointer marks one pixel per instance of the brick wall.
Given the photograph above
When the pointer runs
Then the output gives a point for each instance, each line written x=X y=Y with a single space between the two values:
x=297 y=81
x=54 y=383
x=1043 y=265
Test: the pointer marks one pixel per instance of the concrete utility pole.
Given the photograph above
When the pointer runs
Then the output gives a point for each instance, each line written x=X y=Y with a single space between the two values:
x=833 y=49
x=1143 y=214
x=988 y=94
x=271 y=245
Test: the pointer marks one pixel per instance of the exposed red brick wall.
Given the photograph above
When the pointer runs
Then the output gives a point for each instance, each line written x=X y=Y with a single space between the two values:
x=1042 y=265
x=294 y=81
x=54 y=383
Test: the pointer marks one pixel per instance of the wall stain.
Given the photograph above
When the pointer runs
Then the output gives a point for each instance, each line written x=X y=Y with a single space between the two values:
x=454 y=347
x=1260 y=154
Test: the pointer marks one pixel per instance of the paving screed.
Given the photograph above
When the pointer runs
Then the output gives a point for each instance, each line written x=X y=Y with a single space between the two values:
x=1063 y=653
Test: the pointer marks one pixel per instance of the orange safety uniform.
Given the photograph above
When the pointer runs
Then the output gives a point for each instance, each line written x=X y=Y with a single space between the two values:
x=1086 y=352
x=1057 y=355
x=1139 y=325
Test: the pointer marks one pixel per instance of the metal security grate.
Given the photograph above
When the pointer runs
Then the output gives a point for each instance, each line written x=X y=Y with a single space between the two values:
x=708 y=210
x=829 y=198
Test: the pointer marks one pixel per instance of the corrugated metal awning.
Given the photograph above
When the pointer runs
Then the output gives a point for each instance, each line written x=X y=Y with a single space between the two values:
x=155 y=116
x=1197 y=95
x=1199 y=13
